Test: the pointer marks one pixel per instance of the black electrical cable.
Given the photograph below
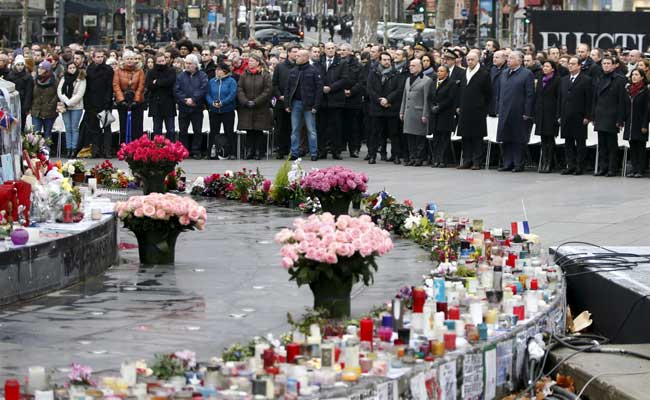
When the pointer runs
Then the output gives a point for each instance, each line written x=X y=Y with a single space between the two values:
x=561 y=392
x=629 y=313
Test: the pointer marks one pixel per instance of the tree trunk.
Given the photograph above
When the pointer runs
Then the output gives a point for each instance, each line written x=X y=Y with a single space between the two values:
x=129 y=22
x=234 y=14
x=444 y=13
x=25 y=21
x=366 y=14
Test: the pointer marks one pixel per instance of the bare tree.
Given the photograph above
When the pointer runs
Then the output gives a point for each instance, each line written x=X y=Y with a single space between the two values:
x=366 y=15
x=234 y=15
x=444 y=13
x=25 y=21
x=129 y=22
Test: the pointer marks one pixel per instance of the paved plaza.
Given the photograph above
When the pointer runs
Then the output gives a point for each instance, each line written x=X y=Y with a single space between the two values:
x=228 y=286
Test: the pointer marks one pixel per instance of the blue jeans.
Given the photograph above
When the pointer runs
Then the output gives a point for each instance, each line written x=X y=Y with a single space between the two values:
x=71 y=119
x=298 y=116
x=43 y=125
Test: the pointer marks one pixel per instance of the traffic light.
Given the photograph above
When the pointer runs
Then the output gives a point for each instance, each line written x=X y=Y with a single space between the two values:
x=301 y=3
x=526 y=16
x=420 y=8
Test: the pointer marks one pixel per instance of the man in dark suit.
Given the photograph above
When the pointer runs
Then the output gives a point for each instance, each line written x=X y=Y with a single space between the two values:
x=515 y=109
x=574 y=111
x=354 y=92
x=283 y=118
x=334 y=73
x=498 y=66
x=456 y=74
x=475 y=97
x=609 y=114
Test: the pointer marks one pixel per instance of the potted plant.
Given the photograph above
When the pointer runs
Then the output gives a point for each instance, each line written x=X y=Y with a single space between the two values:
x=79 y=379
x=109 y=176
x=76 y=169
x=157 y=220
x=335 y=187
x=33 y=143
x=331 y=254
x=152 y=160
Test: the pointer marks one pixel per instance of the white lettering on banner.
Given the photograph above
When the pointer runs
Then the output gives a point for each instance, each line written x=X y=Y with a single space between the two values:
x=626 y=40
x=447 y=379
x=472 y=376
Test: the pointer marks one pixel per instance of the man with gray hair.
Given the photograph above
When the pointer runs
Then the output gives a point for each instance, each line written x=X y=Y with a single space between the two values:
x=515 y=102
x=354 y=91
x=190 y=90
x=334 y=73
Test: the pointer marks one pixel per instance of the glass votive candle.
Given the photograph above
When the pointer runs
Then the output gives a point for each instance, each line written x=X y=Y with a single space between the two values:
x=519 y=311
x=450 y=341
x=442 y=307
x=437 y=348
x=483 y=331
x=365 y=364
x=454 y=313
x=385 y=333
x=471 y=333
x=491 y=317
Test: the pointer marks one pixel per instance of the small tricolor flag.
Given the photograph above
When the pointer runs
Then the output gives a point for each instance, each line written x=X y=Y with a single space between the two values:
x=520 y=227
x=6 y=119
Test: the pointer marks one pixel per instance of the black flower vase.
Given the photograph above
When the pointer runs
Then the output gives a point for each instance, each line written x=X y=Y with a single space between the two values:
x=157 y=247
x=332 y=295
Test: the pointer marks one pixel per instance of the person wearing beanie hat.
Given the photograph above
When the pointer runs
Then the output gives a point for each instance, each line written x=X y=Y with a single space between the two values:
x=45 y=65
x=44 y=99
x=222 y=99
x=24 y=86
x=190 y=89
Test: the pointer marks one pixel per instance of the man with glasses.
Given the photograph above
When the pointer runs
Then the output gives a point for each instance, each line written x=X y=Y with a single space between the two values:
x=207 y=64
x=574 y=100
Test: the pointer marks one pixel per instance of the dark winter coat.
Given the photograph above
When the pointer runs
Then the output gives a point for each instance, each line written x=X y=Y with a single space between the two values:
x=24 y=86
x=389 y=89
x=495 y=75
x=193 y=86
x=256 y=87
x=45 y=98
x=574 y=106
x=280 y=81
x=637 y=116
x=336 y=77
x=546 y=107
x=516 y=100
x=609 y=103
x=306 y=78
x=443 y=100
x=99 y=88
x=160 y=95
x=209 y=68
x=223 y=90
x=474 y=102
x=355 y=84
x=402 y=76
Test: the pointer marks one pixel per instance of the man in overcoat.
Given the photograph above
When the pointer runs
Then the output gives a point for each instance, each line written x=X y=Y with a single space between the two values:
x=415 y=112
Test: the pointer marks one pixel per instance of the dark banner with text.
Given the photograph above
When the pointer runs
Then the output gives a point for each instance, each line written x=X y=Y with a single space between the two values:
x=604 y=30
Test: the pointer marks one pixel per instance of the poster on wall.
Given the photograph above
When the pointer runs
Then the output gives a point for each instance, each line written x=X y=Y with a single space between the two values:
x=598 y=29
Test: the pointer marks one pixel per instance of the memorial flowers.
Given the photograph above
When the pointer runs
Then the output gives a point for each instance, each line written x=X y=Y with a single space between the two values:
x=331 y=254
x=80 y=375
x=33 y=143
x=335 y=187
x=109 y=176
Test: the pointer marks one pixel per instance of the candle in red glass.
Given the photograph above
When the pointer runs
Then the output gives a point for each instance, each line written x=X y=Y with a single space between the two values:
x=486 y=235
x=519 y=311
x=454 y=313
x=514 y=288
x=12 y=389
x=533 y=284
x=450 y=341
x=512 y=260
x=67 y=213
x=293 y=350
x=419 y=297
x=442 y=307
x=269 y=358
x=365 y=330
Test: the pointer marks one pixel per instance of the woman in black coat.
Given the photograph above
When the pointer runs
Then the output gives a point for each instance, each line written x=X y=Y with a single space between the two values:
x=636 y=121
x=443 y=96
x=24 y=86
x=547 y=90
x=159 y=93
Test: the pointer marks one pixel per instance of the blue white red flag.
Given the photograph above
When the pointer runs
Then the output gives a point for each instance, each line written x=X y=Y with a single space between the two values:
x=519 y=227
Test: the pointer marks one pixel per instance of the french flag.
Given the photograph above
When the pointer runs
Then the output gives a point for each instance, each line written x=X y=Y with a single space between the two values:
x=520 y=227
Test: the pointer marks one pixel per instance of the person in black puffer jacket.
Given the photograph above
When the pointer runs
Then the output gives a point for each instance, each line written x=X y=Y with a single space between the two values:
x=24 y=86
x=97 y=98
x=159 y=93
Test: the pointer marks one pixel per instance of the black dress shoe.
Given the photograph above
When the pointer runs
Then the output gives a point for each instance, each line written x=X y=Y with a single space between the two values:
x=314 y=158
x=372 y=161
x=416 y=163
x=390 y=159
x=505 y=169
x=518 y=169
x=354 y=154
x=476 y=168
x=336 y=157
x=601 y=173
x=465 y=166
x=293 y=158
x=578 y=171
x=233 y=157
x=611 y=173
x=196 y=156
x=366 y=158
x=397 y=161
x=442 y=165
x=568 y=171
x=434 y=165
x=383 y=157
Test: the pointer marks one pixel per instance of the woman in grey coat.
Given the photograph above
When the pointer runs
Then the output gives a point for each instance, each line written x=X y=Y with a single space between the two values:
x=415 y=112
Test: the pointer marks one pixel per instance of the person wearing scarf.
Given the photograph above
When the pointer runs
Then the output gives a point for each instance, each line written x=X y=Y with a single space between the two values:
x=254 y=96
x=44 y=99
x=546 y=125
x=636 y=121
x=24 y=86
x=159 y=93
x=71 y=90
x=222 y=101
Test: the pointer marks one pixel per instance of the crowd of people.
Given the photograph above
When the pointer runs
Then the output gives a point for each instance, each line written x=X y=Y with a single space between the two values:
x=403 y=103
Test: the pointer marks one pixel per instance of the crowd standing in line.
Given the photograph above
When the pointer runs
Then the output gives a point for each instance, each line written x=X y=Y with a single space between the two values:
x=404 y=103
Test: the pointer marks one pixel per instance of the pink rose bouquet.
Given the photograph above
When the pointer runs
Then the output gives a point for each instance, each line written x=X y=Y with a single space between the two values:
x=343 y=247
x=157 y=211
x=335 y=187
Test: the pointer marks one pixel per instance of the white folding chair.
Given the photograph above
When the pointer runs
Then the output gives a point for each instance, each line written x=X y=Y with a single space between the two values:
x=535 y=140
x=455 y=138
x=492 y=126
x=622 y=143
x=592 y=141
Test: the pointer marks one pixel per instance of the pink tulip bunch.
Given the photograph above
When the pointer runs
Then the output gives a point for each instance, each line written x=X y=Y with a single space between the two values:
x=335 y=178
x=324 y=239
x=163 y=207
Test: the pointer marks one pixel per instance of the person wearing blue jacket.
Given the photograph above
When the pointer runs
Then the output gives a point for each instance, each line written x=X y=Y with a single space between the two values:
x=222 y=101
x=190 y=89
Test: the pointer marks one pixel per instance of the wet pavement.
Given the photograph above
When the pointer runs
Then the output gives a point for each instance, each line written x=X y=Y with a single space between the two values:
x=227 y=286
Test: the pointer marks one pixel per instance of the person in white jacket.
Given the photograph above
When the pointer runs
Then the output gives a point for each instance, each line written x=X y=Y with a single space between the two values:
x=71 y=94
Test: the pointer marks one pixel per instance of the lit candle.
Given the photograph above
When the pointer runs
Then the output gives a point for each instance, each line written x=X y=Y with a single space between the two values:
x=476 y=313
x=67 y=213
x=438 y=348
x=454 y=313
x=442 y=307
x=531 y=303
x=12 y=389
x=327 y=355
x=36 y=379
x=491 y=317
x=129 y=373
x=450 y=341
x=519 y=311
x=439 y=319
x=269 y=358
x=533 y=284
x=365 y=331
x=293 y=350
x=460 y=328
x=92 y=185
x=351 y=356
x=43 y=395
x=419 y=297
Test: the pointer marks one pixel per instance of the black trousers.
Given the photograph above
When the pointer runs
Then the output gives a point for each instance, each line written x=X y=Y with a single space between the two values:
x=607 y=148
x=100 y=138
x=255 y=145
x=439 y=145
x=169 y=126
x=352 y=132
x=548 y=148
x=137 y=113
x=194 y=143
x=417 y=147
x=283 y=130
x=472 y=150
x=228 y=122
x=329 y=129
x=638 y=156
x=513 y=154
x=575 y=150
x=384 y=127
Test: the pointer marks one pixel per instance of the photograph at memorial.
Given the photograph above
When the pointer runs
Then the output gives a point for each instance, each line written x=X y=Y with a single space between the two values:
x=324 y=199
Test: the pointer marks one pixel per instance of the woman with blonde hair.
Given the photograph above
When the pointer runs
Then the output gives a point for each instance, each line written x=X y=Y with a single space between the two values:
x=128 y=88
